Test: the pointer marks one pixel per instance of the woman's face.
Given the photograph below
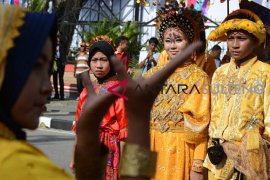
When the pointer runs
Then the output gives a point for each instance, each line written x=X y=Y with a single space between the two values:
x=83 y=47
x=175 y=41
x=240 y=44
x=31 y=101
x=100 y=64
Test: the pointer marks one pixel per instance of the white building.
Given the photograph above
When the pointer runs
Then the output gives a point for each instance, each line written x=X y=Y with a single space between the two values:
x=125 y=10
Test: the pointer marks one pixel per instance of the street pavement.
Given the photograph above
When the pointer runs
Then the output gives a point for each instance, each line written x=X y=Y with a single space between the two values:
x=56 y=144
x=60 y=114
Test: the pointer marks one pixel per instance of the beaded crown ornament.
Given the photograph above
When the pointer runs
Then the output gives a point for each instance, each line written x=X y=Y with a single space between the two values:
x=175 y=15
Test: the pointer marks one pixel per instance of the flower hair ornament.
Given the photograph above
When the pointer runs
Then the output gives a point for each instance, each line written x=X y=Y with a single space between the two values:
x=175 y=15
x=101 y=38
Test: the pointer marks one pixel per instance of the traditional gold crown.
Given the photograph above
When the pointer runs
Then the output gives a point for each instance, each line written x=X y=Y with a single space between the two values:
x=185 y=18
x=250 y=22
x=101 y=38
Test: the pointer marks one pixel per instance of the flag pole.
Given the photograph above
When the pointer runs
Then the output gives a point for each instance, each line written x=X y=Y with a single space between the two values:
x=228 y=7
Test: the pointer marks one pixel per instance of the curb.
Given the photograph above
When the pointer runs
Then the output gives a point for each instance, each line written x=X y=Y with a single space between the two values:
x=48 y=122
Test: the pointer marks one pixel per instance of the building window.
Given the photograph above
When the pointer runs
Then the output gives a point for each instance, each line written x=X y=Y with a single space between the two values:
x=5 y=1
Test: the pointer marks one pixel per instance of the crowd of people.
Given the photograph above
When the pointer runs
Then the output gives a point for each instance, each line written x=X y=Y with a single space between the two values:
x=177 y=125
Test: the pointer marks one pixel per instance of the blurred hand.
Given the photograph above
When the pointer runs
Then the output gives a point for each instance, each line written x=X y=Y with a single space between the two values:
x=196 y=176
x=148 y=55
x=71 y=165
x=130 y=71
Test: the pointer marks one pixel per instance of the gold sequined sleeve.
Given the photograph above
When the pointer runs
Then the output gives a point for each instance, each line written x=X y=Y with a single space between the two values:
x=196 y=112
x=266 y=133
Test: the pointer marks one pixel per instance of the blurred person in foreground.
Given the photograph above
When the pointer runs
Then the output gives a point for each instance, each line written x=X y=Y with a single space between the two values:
x=25 y=85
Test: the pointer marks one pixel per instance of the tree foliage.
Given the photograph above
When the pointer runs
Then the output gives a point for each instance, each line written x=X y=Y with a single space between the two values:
x=68 y=14
x=37 y=5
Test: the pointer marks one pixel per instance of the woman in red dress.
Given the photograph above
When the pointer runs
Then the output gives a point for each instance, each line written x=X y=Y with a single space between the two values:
x=113 y=128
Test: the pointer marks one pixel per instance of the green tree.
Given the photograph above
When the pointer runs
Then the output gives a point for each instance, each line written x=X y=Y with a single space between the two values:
x=68 y=15
x=37 y=5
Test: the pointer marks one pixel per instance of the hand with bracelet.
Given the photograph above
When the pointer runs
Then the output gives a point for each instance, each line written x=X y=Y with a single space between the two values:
x=138 y=107
x=196 y=172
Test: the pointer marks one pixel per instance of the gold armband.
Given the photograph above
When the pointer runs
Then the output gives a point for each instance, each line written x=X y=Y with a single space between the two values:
x=137 y=161
x=197 y=167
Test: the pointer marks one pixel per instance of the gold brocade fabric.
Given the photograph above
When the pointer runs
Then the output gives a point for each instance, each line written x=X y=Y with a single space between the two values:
x=11 y=19
x=20 y=160
x=179 y=122
x=163 y=58
x=240 y=104
x=175 y=157
x=247 y=104
x=207 y=64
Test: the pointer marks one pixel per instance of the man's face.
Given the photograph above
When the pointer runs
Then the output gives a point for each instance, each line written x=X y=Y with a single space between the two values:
x=124 y=45
x=152 y=46
x=216 y=53
x=241 y=44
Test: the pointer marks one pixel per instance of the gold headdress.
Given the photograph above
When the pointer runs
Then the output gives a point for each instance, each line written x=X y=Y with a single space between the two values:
x=240 y=19
x=11 y=19
x=101 y=38
x=174 y=15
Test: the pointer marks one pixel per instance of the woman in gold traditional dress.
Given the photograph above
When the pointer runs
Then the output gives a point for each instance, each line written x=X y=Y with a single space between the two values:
x=240 y=112
x=181 y=112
